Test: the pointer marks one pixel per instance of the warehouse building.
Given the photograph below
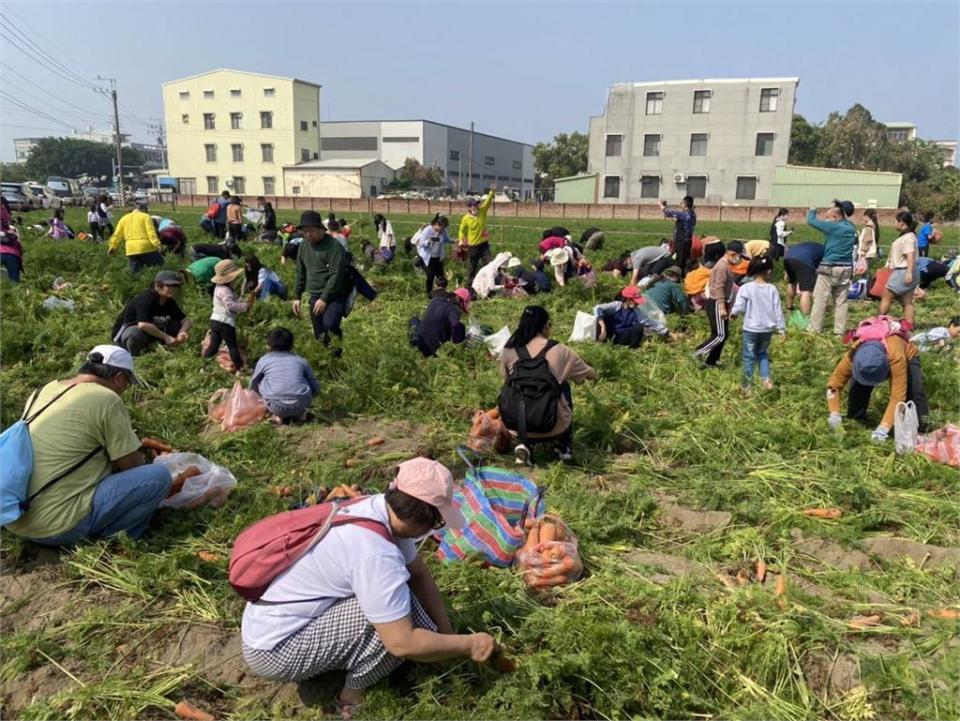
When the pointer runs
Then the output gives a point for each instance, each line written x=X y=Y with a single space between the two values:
x=797 y=186
x=718 y=140
x=337 y=178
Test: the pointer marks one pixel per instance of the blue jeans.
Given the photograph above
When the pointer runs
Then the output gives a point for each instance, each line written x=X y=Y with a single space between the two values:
x=12 y=264
x=123 y=502
x=136 y=262
x=755 y=347
x=276 y=287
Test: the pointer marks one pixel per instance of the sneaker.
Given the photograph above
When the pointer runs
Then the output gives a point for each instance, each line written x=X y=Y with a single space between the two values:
x=521 y=455
x=565 y=454
x=767 y=384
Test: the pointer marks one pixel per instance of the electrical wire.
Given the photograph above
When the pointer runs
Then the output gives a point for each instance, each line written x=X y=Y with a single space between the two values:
x=36 y=111
x=52 y=98
x=57 y=66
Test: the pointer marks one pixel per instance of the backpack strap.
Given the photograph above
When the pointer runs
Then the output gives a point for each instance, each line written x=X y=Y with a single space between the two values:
x=25 y=504
x=522 y=353
x=546 y=349
x=27 y=418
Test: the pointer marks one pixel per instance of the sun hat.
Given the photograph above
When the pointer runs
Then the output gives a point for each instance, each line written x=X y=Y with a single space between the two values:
x=464 y=295
x=672 y=270
x=631 y=292
x=116 y=357
x=430 y=482
x=558 y=257
x=168 y=277
x=870 y=364
x=311 y=219
x=514 y=262
x=226 y=271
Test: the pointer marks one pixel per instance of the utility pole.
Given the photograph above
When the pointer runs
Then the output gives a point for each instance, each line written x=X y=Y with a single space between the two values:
x=116 y=138
x=470 y=164
x=157 y=127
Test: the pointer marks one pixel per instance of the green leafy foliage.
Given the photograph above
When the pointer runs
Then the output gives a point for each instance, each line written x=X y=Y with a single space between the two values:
x=565 y=156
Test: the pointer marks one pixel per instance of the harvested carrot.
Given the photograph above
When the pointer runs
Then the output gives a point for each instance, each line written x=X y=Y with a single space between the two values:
x=350 y=462
x=376 y=441
x=912 y=620
x=494 y=413
x=155 y=444
x=828 y=513
x=282 y=491
x=945 y=614
x=781 y=588
x=861 y=622
x=208 y=556
x=560 y=568
x=186 y=711
x=533 y=538
x=741 y=577
x=176 y=485
x=550 y=581
x=548 y=533
x=761 y=570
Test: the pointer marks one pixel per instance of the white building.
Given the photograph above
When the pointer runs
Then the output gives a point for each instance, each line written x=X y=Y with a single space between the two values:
x=901 y=132
x=448 y=148
x=23 y=146
x=337 y=178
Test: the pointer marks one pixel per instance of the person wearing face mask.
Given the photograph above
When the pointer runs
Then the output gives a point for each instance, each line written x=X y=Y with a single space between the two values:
x=360 y=600
x=90 y=478
x=836 y=269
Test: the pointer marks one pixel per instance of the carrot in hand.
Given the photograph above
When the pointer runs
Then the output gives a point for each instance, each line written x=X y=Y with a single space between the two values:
x=155 y=444
x=186 y=711
x=828 y=513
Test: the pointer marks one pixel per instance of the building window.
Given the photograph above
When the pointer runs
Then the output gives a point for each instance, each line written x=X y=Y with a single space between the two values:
x=454 y=155
x=266 y=151
x=489 y=177
x=239 y=185
x=269 y=185
x=614 y=146
x=346 y=143
x=237 y=150
x=488 y=160
x=185 y=118
x=266 y=119
x=701 y=101
x=187 y=186
x=208 y=95
x=304 y=155
x=269 y=92
x=898 y=136
x=651 y=145
x=515 y=180
x=654 y=103
x=746 y=188
x=650 y=186
x=517 y=165
x=698 y=144
x=304 y=126
x=768 y=100
x=314 y=123
x=235 y=119
x=211 y=151
x=208 y=122
x=235 y=93
x=185 y=95
x=212 y=184
x=764 y=144
x=697 y=186
x=316 y=156
x=611 y=186
x=402 y=139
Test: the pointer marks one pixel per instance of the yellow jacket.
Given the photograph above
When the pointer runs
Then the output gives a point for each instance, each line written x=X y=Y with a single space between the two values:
x=136 y=229
x=473 y=227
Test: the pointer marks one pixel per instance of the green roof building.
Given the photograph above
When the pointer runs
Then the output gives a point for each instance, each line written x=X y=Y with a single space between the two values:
x=576 y=189
x=796 y=186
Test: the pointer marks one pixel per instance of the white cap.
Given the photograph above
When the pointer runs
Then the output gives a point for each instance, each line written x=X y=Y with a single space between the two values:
x=114 y=355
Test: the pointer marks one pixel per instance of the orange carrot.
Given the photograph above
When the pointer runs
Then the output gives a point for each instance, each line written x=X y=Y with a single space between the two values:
x=781 y=588
x=350 y=462
x=761 y=570
x=913 y=619
x=188 y=712
x=945 y=614
x=376 y=441
x=548 y=533
x=559 y=568
x=741 y=577
x=828 y=513
x=861 y=622
x=494 y=413
x=208 y=556
x=155 y=444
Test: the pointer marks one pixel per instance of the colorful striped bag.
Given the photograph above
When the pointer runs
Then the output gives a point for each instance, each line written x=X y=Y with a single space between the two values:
x=495 y=502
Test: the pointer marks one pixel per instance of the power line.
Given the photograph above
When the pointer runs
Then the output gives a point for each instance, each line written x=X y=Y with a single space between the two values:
x=9 y=8
x=69 y=74
x=36 y=111
x=69 y=109
x=39 y=59
x=34 y=82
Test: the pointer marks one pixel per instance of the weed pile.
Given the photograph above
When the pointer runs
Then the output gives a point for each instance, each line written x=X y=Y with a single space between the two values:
x=680 y=487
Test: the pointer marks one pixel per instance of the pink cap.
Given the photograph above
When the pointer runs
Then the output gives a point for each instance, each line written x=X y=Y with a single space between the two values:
x=631 y=292
x=432 y=483
x=464 y=295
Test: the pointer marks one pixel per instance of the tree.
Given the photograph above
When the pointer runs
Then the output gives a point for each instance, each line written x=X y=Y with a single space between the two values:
x=565 y=156
x=804 y=141
x=13 y=173
x=414 y=175
x=854 y=141
x=73 y=158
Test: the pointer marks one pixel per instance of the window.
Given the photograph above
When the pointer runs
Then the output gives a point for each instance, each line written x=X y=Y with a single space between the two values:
x=314 y=123
x=235 y=93
x=359 y=143
x=266 y=152
x=746 y=188
x=611 y=186
x=239 y=185
x=187 y=186
x=185 y=95
x=269 y=185
x=316 y=156
x=454 y=155
x=266 y=119
x=208 y=95
x=304 y=126
x=503 y=177
x=211 y=151
x=651 y=145
x=269 y=92
x=208 y=122
x=768 y=100
x=650 y=186
x=304 y=155
x=235 y=120
x=698 y=144
x=295 y=190
x=764 y=144
x=402 y=139
x=697 y=186
x=237 y=150
x=515 y=180
x=185 y=118
x=701 y=101
x=517 y=165
x=488 y=160
x=212 y=184
x=654 y=103
x=614 y=146
x=489 y=177
x=898 y=136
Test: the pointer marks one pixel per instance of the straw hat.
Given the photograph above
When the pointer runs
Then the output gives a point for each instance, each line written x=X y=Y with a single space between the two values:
x=558 y=257
x=225 y=272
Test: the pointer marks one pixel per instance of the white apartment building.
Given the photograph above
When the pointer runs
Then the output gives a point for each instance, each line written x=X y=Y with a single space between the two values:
x=234 y=130
x=508 y=162
x=718 y=140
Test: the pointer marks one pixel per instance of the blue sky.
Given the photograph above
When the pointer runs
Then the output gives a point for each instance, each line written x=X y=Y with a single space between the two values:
x=524 y=70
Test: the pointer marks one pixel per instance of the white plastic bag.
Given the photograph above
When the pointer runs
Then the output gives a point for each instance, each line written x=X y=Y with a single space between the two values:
x=906 y=428
x=497 y=341
x=584 y=327
x=210 y=488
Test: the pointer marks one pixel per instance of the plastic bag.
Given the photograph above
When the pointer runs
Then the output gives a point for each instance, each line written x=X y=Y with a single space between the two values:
x=487 y=432
x=942 y=446
x=236 y=408
x=906 y=428
x=54 y=303
x=497 y=341
x=584 y=327
x=223 y=355
x=210 y=488
x=798 y=321
x=549 y=563
x=858 y=290
x=588 y=279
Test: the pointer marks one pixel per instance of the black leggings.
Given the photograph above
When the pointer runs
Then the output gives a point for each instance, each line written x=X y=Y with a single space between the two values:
x=434 y=270
x=477 y=257
x=713 y=346
x=859 y=398
x=225 y=333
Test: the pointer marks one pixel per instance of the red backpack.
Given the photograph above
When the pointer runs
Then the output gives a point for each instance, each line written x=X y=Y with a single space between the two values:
x=270 y=546
x=213 y=210
x=879 y=327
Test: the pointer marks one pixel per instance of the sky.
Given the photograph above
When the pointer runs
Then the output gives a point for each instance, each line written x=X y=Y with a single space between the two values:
x=521 y=70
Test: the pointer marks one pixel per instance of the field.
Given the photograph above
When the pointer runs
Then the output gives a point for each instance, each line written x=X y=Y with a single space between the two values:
x=680 y=486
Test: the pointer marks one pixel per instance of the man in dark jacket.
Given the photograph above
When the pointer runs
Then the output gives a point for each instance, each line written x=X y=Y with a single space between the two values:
x=441 y=320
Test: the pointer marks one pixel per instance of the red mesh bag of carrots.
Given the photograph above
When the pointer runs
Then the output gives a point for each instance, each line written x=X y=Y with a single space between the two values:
x=237 y=408
x=487 y=432
x=551 y=555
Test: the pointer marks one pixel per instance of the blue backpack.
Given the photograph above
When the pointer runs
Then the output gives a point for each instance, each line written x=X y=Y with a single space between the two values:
x=16 y=449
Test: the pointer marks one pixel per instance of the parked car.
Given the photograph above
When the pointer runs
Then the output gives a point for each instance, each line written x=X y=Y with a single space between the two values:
x=48 y=199
x=17 y=201
x=28 y=199
x=66 y=189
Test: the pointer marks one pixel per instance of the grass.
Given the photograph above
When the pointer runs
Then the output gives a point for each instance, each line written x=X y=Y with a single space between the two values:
x=105 y=638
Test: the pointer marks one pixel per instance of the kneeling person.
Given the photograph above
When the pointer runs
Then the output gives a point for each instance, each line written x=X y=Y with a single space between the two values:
x=153 y=316
x=441 y=321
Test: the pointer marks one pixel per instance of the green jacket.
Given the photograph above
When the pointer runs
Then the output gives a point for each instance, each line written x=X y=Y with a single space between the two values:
x=322 y=270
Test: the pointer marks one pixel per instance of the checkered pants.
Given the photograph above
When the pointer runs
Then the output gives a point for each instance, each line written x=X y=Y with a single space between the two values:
x=340 y=640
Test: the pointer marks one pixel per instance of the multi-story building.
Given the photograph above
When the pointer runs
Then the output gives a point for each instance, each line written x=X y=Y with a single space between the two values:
x=901 y=132
x=717 y=140
x=23 y=146
x=230 y=129
x=508 y=162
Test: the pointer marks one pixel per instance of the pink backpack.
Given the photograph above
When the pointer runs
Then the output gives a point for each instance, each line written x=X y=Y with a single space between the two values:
x=878 y=327
x=270 y=546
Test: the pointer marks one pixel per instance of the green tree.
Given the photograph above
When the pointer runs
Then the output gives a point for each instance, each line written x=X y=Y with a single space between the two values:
x=73 y=158
x=565 y=156
x=414 y=175
x=13 y=173
x=804 y=141
x=854 y=141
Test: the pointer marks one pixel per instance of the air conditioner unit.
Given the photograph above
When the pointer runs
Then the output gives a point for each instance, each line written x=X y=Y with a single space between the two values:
x=679 y=178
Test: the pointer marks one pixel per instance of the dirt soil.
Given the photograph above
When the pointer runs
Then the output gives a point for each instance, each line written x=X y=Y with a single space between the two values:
x=924 y=555
x=690 y=520
x=668 y=565
x=350 y=439
x=817 y=552
x=830 y=675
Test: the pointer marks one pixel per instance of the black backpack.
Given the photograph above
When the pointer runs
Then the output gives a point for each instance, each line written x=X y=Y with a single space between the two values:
x=528 y=401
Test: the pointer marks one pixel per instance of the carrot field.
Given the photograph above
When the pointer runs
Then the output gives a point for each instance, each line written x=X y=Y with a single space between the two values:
x=680 y=487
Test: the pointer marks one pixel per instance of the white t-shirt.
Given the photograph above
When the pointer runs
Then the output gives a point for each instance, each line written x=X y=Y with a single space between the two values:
x=349 y=561
x=387 y=239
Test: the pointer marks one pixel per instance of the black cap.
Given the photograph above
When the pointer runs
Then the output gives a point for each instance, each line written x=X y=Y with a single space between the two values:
x=846 y=207
x=737 y=247
x=311 y=219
